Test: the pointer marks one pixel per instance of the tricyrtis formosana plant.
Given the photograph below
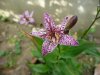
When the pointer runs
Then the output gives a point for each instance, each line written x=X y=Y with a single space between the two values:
x=57 y=52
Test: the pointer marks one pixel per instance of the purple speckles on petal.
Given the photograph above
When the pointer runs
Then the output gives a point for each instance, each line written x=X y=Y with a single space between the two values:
x=40 y=33
x=54 y=35
x=68 y=40
x=48 y=22
x=64 y=23
x=48 y=47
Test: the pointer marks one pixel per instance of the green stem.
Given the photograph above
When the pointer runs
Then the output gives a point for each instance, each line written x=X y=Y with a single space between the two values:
x=98 y=17
x=59 y=48
x=58 y=52
x=86 y=31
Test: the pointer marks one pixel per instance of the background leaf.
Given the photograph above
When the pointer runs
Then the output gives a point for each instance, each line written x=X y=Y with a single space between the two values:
x=39 y=68
x=72 y=51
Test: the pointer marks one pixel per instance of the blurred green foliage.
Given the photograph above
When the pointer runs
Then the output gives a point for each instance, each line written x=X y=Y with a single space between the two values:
x=69 y=61
x=12 y=54
x=4 y=18
x=2 y=53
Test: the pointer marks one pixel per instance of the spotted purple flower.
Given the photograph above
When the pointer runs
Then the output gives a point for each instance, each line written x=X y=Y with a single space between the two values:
x=54 y=35
x=26 y=18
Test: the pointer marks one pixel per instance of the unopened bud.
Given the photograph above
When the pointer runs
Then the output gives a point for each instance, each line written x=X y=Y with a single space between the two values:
x=71 y=22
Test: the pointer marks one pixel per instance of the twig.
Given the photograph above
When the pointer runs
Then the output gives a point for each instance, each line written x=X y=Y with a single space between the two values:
x=96 y=17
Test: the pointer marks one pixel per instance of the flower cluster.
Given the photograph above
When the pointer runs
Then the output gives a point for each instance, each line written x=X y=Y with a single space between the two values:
x=26 y=18
x=52 y=34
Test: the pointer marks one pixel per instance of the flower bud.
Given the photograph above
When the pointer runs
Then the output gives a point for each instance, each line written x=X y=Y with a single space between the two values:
x=71 y=22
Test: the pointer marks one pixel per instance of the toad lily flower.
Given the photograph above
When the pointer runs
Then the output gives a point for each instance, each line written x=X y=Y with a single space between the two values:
x=54 y=35
x=26 y=18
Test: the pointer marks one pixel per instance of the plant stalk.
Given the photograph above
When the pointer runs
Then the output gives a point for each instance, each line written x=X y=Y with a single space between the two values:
x=96 y=17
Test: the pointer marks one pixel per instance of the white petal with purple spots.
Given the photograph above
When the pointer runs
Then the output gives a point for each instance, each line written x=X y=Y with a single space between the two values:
x=68 y=40
x=65 y=22
x=48 y=47
x=40 y=33
x=48 y=22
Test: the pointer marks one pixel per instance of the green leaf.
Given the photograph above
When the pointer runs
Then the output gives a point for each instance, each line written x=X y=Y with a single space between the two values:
x=51 y=57
x=39 y=68
x=36 y=53
x=74 y=66
x=93 y=52
x=65 y=68
x=92 y=29
x=37 y=41
x=2 y=53
x=17 y=47
x=76 y=50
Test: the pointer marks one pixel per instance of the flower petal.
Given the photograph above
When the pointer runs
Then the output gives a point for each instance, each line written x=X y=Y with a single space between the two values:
x=21 y=16
x=22 y=21
x=64 y=23
x=48 y=22
x=39 y=33
x=26 y=13
x=31 y=14
x=48 y=47
x=68 y=40
x=31 y=20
